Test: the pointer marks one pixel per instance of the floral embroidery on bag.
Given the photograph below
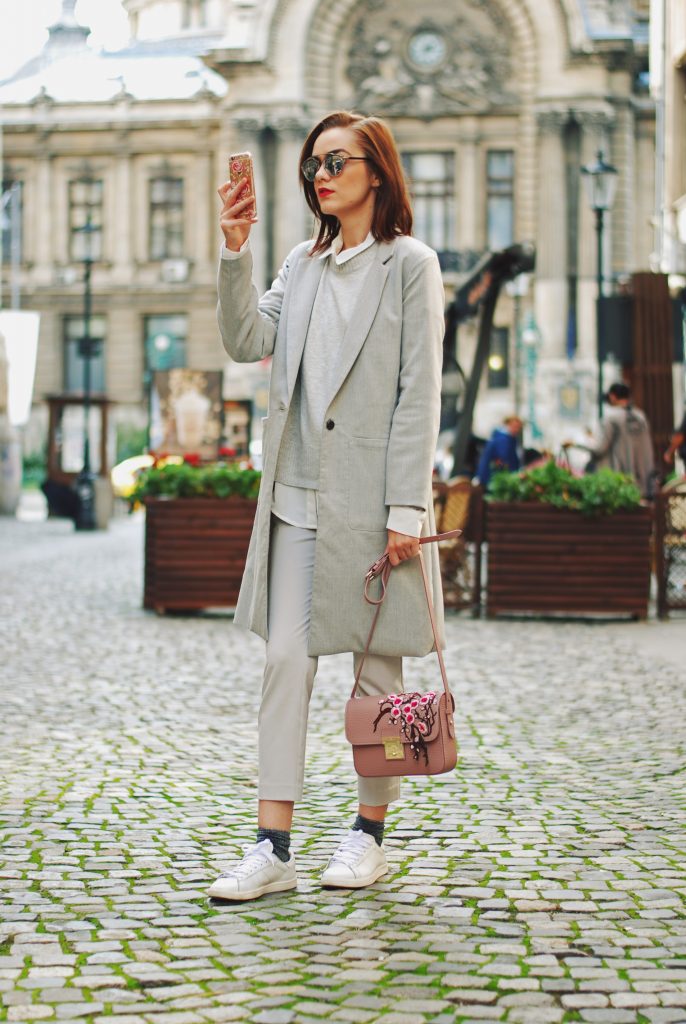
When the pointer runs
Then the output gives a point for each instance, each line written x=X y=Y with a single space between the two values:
x=416 y=715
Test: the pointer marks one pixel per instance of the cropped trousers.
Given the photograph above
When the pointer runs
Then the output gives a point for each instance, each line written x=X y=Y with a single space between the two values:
x=289 y=674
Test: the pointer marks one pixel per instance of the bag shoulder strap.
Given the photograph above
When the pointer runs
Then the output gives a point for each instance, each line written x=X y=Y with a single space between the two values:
x=381 y=569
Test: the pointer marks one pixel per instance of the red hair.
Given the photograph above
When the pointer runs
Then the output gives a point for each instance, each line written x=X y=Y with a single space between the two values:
x=392 y=210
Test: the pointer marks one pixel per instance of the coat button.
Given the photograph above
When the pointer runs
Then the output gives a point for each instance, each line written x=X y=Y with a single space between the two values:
x=330 y=424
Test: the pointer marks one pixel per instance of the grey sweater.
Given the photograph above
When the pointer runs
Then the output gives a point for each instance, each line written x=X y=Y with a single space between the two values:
x=339 y=287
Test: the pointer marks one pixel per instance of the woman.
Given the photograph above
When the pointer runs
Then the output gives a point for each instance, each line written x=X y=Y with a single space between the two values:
x=354 y=323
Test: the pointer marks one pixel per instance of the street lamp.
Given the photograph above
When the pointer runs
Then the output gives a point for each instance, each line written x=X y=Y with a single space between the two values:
x=87 y=348
x=600 y=180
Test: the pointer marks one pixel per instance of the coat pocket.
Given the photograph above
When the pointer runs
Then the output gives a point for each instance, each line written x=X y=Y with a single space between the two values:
x=367 y=483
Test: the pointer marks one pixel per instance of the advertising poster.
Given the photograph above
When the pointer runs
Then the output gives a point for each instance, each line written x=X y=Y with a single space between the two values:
x=186 y=410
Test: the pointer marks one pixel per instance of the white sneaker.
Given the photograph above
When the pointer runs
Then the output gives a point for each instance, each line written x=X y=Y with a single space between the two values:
x=357 y=862
x=259 y=871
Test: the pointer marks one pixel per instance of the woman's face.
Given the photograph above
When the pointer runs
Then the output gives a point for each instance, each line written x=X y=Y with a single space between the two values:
x=353 y=192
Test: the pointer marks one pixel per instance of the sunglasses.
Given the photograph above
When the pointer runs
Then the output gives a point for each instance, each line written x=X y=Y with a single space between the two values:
x=333 y=164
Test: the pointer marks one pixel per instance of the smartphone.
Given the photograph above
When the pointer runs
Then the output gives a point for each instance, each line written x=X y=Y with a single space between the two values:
x=241 y=166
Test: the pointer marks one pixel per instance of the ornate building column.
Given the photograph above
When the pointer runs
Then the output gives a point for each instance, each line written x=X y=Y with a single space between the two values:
x=206 y=190
x=623 y=215
x=275 y=139
x=527 y=156
x=470 y=188
x=294 y=220
x=122 y=254
x=552 y=234
x=43 y=237
x=551 y=258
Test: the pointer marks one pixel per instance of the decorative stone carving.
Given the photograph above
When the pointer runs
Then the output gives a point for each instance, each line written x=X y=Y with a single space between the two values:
x=255 y=121
x=594 y=120
x=552 y=121
x=608 y=17
x=433 y=63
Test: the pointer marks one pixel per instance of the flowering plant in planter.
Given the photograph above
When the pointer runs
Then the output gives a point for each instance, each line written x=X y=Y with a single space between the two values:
x=601 y=493
x=193 y=479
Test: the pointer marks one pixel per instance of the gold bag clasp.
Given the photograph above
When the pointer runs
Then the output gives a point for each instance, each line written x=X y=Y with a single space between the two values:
x=394 y=749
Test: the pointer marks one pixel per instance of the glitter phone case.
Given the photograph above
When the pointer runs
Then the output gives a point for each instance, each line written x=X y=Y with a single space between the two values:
x=240 y=166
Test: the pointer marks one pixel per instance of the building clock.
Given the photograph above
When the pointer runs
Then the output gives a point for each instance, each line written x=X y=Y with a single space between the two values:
x=427 y=49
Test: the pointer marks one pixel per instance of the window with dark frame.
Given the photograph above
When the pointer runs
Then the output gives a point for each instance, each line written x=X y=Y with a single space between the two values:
x=85 y=218
x=500 y=171
x=166 y=218
x=73 y=360
x=499 y=358
x=12 y=192
x=165 y=339
x=431 y=177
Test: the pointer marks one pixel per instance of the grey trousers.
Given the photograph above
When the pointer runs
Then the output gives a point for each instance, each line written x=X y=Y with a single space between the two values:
x=289 y=674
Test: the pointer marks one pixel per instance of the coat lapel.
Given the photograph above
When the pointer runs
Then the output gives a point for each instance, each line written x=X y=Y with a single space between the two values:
x=308 y=275
x=362 y=316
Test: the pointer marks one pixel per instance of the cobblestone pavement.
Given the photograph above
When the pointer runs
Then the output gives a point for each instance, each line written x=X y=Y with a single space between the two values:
x=543 y=882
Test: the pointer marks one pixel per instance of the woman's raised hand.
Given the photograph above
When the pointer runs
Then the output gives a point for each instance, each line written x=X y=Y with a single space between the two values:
x=232 y=220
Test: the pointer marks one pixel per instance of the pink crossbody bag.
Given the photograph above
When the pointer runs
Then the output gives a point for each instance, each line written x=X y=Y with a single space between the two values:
x=402 y=733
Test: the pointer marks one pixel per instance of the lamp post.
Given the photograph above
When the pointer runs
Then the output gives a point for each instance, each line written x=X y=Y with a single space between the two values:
x=600 y=180
x=87 y=346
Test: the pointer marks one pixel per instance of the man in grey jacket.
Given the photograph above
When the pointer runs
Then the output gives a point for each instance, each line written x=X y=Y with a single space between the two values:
x=623 y=440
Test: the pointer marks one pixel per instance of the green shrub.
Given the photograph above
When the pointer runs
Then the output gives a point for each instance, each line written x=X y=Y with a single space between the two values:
x=131 y=440
x=189 y=481
x=34 y=469
x=595 y=494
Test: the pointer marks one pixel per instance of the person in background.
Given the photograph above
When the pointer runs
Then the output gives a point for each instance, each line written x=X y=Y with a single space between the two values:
x=501 y=451
x=623 y=441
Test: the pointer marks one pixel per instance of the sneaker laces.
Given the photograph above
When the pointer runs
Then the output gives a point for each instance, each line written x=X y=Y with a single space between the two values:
x=256 y=856
x=353 y=847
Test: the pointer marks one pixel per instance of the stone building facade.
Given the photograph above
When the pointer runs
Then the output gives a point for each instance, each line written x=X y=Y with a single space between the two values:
x=668 y=79
x=495 y=104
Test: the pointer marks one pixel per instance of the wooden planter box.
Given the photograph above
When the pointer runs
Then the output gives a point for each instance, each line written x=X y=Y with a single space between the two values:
x=543 y=559
x=195 y=551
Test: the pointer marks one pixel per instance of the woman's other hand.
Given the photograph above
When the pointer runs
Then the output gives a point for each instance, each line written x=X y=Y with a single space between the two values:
x=400 y=547
x=235 y=226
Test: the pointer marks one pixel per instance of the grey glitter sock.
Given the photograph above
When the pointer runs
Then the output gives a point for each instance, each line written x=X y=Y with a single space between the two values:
x=372 y=828
x=281 y=841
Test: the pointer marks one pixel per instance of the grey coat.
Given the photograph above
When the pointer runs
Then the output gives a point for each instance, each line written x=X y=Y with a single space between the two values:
x=378 y=446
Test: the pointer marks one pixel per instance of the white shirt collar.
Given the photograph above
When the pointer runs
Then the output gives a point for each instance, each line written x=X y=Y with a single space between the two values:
x=342 y=257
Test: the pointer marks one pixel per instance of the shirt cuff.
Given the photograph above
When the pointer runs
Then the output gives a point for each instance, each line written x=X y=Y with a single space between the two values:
x=405 y=519
x=230 y=254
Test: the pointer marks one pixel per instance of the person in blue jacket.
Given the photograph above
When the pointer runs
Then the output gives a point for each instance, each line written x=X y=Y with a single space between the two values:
x=501 y=451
